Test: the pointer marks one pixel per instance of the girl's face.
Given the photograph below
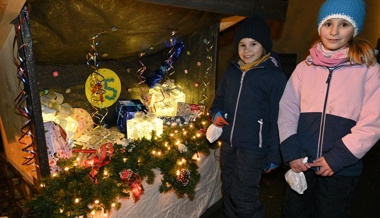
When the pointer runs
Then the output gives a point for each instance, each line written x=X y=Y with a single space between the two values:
x=335 y=33
x=250 y=50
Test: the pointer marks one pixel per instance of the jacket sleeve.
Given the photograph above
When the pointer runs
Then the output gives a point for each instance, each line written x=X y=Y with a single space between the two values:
x=289 y=112
x=365 y=133
x=274 y=155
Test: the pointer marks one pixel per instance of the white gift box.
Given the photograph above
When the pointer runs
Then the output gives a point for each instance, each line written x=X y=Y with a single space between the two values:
x=165 y=98
x=142 y=126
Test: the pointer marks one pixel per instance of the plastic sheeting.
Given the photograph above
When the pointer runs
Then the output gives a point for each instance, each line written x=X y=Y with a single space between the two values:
x=61 y=29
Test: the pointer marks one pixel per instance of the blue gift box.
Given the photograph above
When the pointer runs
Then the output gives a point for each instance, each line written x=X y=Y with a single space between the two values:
x=125 y=110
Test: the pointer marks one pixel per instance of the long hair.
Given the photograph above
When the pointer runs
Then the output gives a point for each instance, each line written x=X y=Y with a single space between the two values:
x=361 y=52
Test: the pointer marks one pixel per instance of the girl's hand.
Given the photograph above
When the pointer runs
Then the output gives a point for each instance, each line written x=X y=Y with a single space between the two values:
x=298 y=166
x=324 y=168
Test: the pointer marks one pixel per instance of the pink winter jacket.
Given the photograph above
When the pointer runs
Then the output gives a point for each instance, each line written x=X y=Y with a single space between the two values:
x=331 y=112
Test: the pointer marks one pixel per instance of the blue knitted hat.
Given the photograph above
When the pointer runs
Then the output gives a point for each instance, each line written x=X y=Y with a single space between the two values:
x=351 y=10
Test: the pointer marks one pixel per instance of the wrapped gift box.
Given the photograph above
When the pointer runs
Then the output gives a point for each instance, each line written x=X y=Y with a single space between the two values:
x=165 y=97
x=189 y=111
x=69 y=124
x=142 y=126
x=126 y=109
x=57 y=144
x=99 y=136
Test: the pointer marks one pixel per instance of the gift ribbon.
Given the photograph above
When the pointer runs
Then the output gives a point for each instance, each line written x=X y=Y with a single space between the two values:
x=134 y=182
x=54 y=101
x=102 y=157
x=195 y=107
x=169 y=89
x=140 y=116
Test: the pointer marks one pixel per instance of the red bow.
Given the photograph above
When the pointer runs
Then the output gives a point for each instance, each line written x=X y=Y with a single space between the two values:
x=134 y=182
x=102 y=157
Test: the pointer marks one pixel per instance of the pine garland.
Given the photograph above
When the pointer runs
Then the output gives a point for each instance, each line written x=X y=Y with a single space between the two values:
x=72 y=193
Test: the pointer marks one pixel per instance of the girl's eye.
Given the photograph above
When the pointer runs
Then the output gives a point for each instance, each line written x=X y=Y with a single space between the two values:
x=327 y=24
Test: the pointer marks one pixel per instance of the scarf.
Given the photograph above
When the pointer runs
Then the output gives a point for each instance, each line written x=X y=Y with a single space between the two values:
x=324 y=57
x=245 y=67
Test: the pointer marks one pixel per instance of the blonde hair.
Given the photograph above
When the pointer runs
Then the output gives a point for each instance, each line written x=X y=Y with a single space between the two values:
x=361 y=52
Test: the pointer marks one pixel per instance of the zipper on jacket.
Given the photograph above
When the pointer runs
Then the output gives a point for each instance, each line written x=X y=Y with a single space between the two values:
x=261 y=133
x=236 y=107
x=323 y=117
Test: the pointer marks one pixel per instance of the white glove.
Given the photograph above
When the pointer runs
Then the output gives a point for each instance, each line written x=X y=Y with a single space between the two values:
x=213 y=133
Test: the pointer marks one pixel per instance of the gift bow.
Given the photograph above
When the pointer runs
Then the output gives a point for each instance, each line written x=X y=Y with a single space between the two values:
x=102 y=157
x=169 y=89
x=140 y=116
x=134 y=182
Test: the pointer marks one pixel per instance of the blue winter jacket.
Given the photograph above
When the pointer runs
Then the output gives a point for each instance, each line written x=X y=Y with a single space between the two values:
x=251 y=101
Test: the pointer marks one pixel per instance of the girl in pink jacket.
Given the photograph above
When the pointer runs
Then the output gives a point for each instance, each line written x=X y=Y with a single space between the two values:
x=330 y=113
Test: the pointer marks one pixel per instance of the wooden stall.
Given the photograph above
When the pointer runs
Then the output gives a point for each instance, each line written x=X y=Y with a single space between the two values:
x=54 y=52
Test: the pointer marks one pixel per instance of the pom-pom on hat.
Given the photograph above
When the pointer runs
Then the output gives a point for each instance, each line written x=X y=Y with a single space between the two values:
x=351 y=10
x=256 y=28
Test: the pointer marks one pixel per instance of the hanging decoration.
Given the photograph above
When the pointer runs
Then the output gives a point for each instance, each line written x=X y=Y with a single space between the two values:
x=141 y=71
x=27 y=137
x=103 y=88
x=96 y=83
x=209 y=45
x=167 y=65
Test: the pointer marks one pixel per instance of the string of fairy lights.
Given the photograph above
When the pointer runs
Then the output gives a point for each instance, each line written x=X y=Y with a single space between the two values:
x=175 y=153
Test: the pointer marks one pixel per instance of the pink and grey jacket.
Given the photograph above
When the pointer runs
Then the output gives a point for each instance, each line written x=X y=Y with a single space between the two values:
x=331 y=112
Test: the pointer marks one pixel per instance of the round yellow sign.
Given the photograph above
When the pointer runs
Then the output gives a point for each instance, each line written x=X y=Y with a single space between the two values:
x=103 y=88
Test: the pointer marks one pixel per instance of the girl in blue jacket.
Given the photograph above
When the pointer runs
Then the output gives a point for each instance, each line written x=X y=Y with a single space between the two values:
x=246 y=106
x=330 y=113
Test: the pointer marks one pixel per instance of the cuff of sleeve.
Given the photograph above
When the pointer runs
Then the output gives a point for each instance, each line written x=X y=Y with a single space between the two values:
x=291 y=149
x=339 y=157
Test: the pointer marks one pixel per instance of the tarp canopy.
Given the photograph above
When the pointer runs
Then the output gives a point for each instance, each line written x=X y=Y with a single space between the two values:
x=62 y=29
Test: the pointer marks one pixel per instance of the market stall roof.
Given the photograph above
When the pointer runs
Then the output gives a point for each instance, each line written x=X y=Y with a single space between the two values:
x=62 y=29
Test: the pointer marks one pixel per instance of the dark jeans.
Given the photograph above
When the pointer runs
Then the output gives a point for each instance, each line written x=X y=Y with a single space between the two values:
x=325 y=197
x=241 y=174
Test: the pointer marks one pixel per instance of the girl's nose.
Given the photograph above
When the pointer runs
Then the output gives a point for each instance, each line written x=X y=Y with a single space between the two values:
x=334 y=30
